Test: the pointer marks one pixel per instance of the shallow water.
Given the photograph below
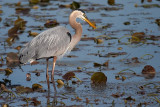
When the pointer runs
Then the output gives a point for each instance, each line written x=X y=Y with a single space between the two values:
x=141 y=20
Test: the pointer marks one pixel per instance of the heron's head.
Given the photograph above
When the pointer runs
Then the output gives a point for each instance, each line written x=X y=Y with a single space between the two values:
x=81 y=14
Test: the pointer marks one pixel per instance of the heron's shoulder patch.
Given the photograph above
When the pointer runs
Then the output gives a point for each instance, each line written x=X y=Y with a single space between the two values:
x=69 y=36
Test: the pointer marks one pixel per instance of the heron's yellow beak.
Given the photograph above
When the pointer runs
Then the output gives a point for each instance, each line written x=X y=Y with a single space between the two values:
x=89 y=22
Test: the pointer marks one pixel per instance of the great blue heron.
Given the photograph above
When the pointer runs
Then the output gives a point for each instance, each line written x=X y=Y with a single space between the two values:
x=54 y=42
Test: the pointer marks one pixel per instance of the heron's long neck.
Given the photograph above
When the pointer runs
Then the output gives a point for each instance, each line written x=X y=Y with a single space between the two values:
x=78 y=31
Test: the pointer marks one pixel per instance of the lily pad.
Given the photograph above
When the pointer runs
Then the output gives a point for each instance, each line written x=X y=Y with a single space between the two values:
x=98 y=78
x=148 y=72
x=36 y=86
x=111 y=2
x=148 y=69
x=60 y=82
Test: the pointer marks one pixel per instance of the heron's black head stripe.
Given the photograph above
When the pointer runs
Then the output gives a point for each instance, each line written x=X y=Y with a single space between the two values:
x=81 y=10
x=69 y=36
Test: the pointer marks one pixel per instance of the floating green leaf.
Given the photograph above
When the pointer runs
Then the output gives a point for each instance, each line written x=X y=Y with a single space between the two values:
x=98 y=78
x=36 y=86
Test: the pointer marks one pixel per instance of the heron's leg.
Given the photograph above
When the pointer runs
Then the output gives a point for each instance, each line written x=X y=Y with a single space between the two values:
x=47 y=76
x=52 y=76
x=54 y=62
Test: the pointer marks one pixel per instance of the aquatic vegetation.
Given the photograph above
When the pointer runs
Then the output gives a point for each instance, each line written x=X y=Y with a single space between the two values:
x=98 y=78
x=124 y=49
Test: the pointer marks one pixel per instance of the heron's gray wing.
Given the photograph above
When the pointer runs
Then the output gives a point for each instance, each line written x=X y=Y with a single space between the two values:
x=52 y=42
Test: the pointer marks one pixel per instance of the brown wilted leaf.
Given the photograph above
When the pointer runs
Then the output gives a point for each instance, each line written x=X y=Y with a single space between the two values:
x=22 y=89
x=148 y=69
x=34 y=1
x=35 y=7
x=87 y=38
x=22 y=10
x=116 y=95
x=65 y=6
x=33 y=33
x=106 y=64
x=98 y=41
x=157 y=22
x=114 y=54
x=8 y=71
x=35 y=102
x=69 y=76
x=36 y=86
x=18 y=3
x=71 y=56
x=97 y=65
x=18 y=48
x=111 y=2
x=129 y=98
x=34 y=63
x=60 y=82
x=138 y=37
x=12 y=57
x=87 y=100
x=50 y=24
x=13 y=31
x=74 y=5
x=44 y=0
x=78 y=99
x=1 y=11
x=20 y=23
x=135 y=60
x=3 y=88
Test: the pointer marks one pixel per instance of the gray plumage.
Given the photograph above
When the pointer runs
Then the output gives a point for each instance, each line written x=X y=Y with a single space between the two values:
x=51 y=42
